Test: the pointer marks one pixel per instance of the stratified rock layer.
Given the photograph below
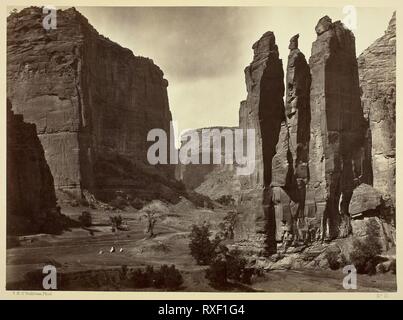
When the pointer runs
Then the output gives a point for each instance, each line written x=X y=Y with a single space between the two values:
x=263 y=111
x=377 y=71
x=93 y=102
x=31 y=200
x=213 y=180
x=337 y=143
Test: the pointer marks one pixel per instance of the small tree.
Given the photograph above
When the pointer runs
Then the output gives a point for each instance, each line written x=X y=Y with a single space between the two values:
x=151 y=217
x=228 y=266
x=85 y=219
x=217 y=272
x=201 y=247
x=116 y=221
x=364 y=252
x=228 y=225
x=226 y=200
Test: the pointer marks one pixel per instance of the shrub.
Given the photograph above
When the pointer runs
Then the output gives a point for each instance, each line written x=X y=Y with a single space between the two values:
x=226 y=200
x=123 y=272
x=137 y=203
x=228 y=225
x=364 y=251
x=138 y=280
x=217 y=273
x=201 y=247
x=168 y=277
x=116 y=221
x=119 y=203
x=85 y=219
x=228 y=266
x=165 y=278
x=334 y=259
x=237 y=269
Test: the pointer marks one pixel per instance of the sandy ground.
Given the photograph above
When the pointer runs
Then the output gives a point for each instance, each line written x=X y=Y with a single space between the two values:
x=79 y=250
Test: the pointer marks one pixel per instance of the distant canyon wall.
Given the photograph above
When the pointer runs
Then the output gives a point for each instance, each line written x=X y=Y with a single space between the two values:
x=212 y=180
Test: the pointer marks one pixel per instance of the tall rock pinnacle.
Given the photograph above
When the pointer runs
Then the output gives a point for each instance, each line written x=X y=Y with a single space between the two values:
x=263 y=111
x=337 y=145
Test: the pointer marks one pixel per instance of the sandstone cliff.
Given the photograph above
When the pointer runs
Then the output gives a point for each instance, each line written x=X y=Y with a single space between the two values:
x=314 y=153
x=377 y=72
x=337 y=144
x=31 y=200
x=263 y=111
x=93 y=103
x=212 y=180
x=290 y=163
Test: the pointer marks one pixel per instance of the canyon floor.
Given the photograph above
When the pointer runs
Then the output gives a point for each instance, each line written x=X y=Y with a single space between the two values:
x=78 y=250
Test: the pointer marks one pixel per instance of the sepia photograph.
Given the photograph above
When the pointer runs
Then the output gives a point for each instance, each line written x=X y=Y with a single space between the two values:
x=200 y=148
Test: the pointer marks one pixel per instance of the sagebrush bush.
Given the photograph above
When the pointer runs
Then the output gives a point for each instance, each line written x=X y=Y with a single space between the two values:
x=228 y=266
x=364 y=251
x=119 y=203
x=85 y=219
x=217 y=273
x=116 y=221
x=228 y=225
x=236 y=267
x=165 y=278
x=226 y=200
x=137 y=203
x=335 y=259
x=201 y=247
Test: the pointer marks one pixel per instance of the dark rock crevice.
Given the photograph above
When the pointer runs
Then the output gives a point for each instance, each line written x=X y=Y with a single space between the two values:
x=31 y=199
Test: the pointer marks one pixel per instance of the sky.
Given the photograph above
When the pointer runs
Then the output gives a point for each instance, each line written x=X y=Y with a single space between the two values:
x=203 y=51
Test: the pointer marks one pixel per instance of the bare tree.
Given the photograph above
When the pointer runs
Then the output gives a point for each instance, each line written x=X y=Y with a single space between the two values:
x=151 y=217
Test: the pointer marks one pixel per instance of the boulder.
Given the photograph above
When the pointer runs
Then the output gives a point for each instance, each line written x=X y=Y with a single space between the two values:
x=365 y=199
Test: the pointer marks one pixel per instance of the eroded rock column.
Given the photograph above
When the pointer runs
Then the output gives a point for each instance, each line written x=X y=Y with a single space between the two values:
x=337 y=145
x=263 y=111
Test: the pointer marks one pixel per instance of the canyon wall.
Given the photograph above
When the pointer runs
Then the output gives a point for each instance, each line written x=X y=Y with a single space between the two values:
x=377 y=72
x=93 y=103
x=214 y=180
x=31 y=200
